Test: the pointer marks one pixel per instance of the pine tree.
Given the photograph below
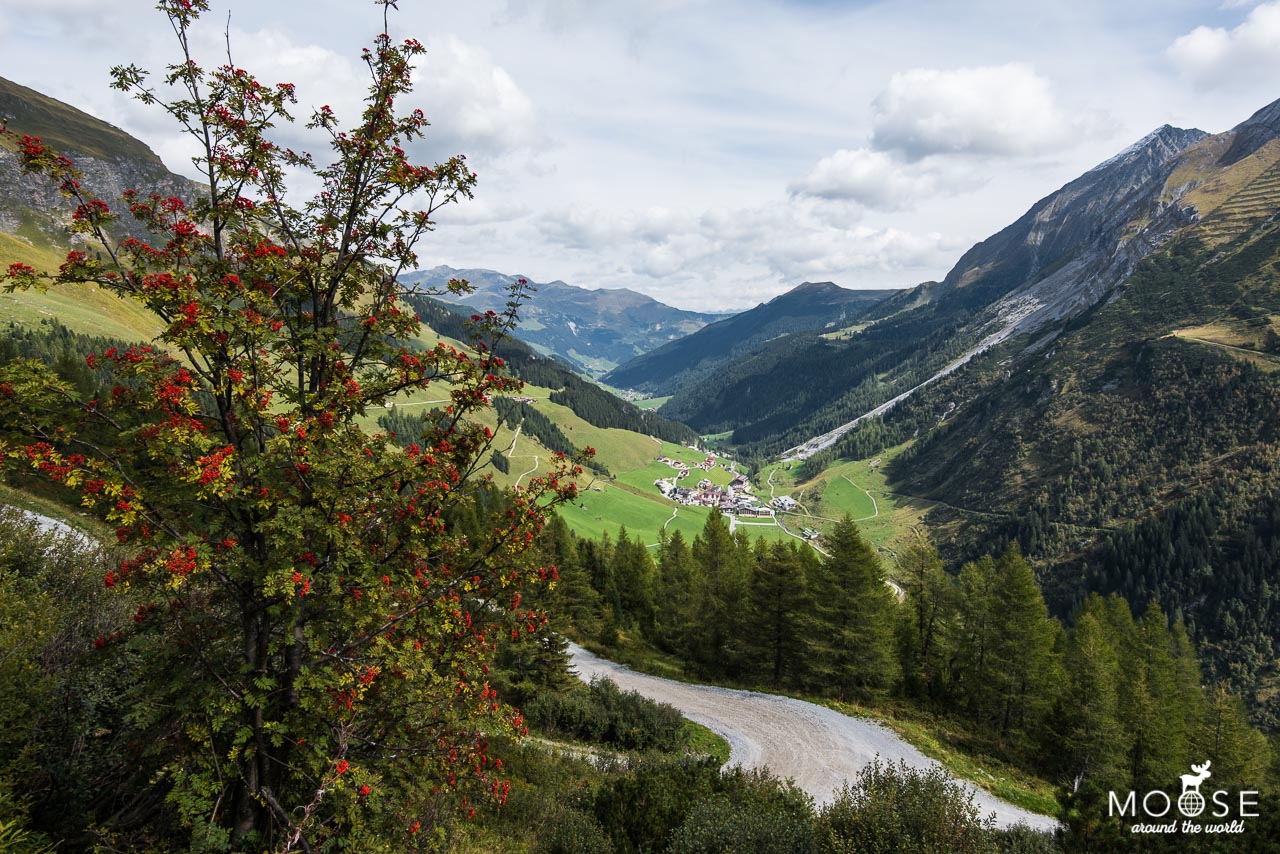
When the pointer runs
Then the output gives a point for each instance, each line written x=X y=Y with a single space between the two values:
x=573 y=598
x=975 y=636
x=1239 y=753
x=1087 y=726
x=680 y=589
x=1188 y=681
x=1152 y=710
x=596 y=558
x=633 y=572
x=724 y=564
x=1024 y=670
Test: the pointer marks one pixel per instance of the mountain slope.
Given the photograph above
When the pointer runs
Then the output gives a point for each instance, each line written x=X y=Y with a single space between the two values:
x=1133 y=446
x=805 y=308
x=111 y=160
x=32 y=231
x=1069 y=252
x=593 y=330
x=1141 y=454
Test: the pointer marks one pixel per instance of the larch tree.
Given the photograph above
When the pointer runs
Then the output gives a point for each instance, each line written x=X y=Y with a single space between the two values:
x=926 y=618
x=976 y=636
x=323 y=629
x=853 y=615
x=1024 y=670
x=778 y=598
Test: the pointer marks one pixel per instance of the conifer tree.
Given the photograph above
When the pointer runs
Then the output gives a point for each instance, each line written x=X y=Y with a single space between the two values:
x=1187 y=677
x=681 y=586
x=778 y=600
x=1087 y=724
x=1024 y=670
x=724 y=564
x=854 y=614
x=596 y=557
x=975 y=636
x=1152 y=709
x=573 y=599
x=633 y=572
x=926 y=618
x=1239 y=753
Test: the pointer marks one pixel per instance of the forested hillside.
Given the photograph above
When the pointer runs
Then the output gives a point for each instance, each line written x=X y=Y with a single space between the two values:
x=588 y=400
x=1140 y=457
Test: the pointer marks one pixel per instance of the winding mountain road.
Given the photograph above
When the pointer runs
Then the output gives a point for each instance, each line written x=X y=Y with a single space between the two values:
x=817 y=747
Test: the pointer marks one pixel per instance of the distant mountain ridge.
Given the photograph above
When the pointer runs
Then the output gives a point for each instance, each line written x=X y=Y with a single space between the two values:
x=1068 y=253
x=593 y=330
x=808 y=307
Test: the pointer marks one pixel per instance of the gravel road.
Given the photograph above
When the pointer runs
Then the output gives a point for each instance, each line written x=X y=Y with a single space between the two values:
x=819 y=748
x=47 y=524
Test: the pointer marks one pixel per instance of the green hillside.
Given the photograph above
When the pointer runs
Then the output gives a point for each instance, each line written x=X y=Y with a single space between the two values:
x=1140 y=458
x=68 y=129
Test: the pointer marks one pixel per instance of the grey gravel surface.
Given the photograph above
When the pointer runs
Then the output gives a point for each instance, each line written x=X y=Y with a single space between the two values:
x=817 y=747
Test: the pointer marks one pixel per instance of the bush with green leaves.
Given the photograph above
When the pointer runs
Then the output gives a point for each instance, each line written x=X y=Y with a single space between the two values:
x=892 y=808
x=603 y=713
x=753 y=812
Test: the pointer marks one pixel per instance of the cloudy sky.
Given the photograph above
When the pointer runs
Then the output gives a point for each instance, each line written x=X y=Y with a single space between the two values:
x=714 y=153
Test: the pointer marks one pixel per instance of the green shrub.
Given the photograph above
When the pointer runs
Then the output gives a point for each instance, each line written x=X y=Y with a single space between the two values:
x=572 y=831
x=1021 y=839
x=892 y=808
x=605 y=714
x=641 y=810
x=753 y=813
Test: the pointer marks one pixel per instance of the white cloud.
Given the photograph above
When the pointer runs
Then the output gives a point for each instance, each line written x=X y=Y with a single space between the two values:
x=934 y=133
x=878 y=180
x=472 y=103
x=484 y=210
x=989 y=110
x=734 y=257
x=1215 y=56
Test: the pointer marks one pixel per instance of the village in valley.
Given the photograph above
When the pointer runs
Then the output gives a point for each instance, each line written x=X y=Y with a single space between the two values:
x=733 y=499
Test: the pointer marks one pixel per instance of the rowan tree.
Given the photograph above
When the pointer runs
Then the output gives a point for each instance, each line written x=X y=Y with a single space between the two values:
x=325 y=629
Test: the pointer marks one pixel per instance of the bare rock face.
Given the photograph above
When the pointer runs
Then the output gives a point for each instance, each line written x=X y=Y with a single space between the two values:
x=30 y=203
x=1072 y=248
x=111 y=161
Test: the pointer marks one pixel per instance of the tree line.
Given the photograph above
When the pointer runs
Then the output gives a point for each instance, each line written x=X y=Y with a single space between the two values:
x=1105 y=701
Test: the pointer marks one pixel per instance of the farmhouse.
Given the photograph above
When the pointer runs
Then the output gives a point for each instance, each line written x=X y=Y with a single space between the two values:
x=785 y=503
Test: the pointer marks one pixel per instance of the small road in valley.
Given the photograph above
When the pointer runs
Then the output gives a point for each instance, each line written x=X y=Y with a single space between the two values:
x=817 y=747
